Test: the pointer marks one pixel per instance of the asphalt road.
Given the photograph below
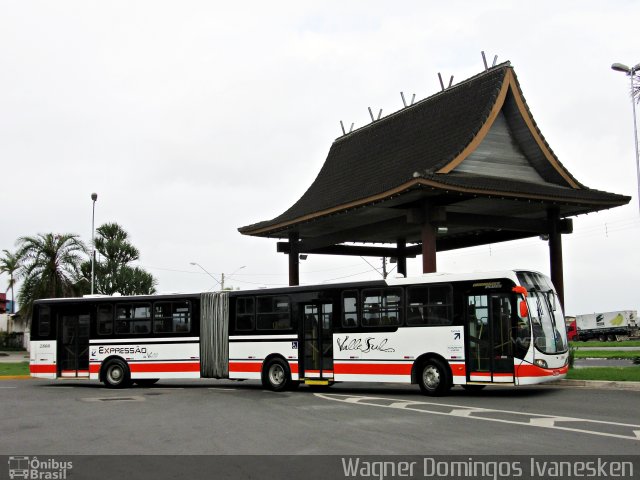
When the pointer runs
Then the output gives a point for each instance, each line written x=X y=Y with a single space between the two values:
x=223 y=417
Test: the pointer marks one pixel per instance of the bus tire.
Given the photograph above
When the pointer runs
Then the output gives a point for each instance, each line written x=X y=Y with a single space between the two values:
x=276 y=375
x=146 y=382
x=116 y=374
x=434 y=378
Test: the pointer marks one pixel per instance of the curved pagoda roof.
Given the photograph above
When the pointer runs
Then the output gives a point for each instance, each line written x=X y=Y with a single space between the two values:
x=472 y=149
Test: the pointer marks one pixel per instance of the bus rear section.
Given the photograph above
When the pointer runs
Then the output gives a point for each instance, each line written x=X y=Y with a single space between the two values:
x=117 y=340
x=60 y=341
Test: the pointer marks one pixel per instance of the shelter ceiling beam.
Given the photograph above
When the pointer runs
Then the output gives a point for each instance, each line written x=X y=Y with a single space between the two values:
x=498 y=222
x=310 y=244
x=353 y=250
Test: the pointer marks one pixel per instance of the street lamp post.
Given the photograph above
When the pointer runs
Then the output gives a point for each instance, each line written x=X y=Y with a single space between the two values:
x=221 y=281
x=94 y=197
x=205 y=271
x=631 y=72
x=230 y=275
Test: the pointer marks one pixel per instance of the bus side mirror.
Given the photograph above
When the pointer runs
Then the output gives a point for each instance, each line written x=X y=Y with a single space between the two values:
x=524 y=309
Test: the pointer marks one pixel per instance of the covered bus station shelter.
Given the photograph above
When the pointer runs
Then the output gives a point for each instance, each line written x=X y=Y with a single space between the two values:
x=467 y=166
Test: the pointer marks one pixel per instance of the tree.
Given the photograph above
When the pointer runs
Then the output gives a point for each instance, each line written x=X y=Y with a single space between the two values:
x=9 y=264
x=112 y=270
x=49 y=267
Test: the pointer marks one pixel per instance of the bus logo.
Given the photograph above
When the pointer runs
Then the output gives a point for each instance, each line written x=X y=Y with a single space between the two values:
x=18 y=467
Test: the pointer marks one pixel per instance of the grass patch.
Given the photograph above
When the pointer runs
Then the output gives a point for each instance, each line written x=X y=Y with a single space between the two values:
x=21 y=368
x=626 y=343
x=605 y=354
x=616 y=374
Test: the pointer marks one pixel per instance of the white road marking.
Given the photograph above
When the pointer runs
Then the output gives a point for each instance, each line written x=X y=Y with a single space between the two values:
x=461 y=412
x=528 y=419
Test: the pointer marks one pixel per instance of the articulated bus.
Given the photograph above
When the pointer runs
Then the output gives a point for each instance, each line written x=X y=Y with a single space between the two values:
x=436 y=330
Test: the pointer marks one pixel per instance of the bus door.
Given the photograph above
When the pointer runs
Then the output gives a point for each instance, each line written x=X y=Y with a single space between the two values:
x=490 y=347
x=317 y=354
x=73 y=354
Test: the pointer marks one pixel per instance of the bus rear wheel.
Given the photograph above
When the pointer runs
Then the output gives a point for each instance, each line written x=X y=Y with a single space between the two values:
x=276 y=375
x=116 y=374
x=434 y=378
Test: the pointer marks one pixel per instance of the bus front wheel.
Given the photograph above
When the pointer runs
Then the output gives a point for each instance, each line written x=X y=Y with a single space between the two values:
x=276 y=375
x=434 y=378
x=116 y=374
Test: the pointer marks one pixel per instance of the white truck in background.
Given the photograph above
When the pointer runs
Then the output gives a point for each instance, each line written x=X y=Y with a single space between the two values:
x=611 y=326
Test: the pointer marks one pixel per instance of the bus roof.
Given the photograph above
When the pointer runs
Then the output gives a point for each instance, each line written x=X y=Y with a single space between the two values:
x=395 y=281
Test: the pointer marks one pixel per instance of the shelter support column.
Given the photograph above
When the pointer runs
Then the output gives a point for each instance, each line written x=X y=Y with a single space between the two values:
x=555 y=253
x=294 y=260
x=430 y=216
x=428 y=242
x=402 y=257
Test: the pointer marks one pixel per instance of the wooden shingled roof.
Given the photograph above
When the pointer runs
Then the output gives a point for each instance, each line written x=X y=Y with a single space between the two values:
x=473 y=148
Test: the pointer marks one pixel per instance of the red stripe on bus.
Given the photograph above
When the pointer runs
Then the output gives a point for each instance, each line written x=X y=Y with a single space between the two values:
x=372 y=369
x=94 y=368
x=535 y=371
x=43 y=368
x=245 y=366
x=164 y=367
x=257 y=366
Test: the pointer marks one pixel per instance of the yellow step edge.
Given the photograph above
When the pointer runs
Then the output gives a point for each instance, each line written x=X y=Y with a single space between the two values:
x=309 y=381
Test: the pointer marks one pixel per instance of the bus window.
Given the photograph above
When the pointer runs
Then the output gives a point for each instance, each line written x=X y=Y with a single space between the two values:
x=273 y=313
x=105 y=319
x=133 y=318
x=350 y=309
x=245 y=313
x=44 y=321
x=440 y=303
x=429 y=305
x=381 y=307
x=171 y=317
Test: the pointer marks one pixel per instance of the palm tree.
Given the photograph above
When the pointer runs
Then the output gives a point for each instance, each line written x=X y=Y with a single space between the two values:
x=113 y=272
x=49 y=267
x=9 y=264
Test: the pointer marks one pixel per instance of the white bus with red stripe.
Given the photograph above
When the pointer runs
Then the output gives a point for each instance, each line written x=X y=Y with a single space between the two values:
x=436 y=330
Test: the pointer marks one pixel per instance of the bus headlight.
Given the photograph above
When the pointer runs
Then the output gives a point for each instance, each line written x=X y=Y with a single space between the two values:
x=541 y=363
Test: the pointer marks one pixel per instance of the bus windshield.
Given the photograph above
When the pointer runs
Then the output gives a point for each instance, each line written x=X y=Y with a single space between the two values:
x=547 y=320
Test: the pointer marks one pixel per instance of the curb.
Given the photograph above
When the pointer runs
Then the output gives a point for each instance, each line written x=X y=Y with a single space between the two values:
x=15 y=377
x=597 y=384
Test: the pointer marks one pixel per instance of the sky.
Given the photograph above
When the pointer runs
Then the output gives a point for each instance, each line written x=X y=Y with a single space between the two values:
x=190 y=119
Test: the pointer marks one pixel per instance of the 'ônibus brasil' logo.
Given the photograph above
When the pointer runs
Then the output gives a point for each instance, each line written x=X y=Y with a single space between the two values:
x=33 y=468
